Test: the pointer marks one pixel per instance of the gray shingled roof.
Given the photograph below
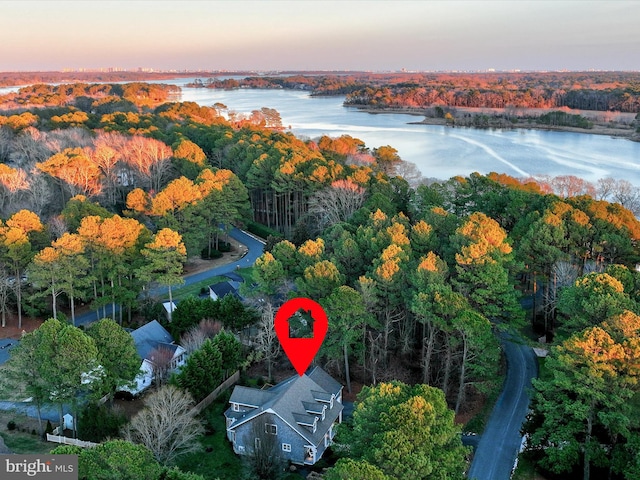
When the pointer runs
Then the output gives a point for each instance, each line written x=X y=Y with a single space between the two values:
x=250 y=396
x=223 y=288
x=289 y=400
x=325 y=380
x=233 y=276
x=151 y=336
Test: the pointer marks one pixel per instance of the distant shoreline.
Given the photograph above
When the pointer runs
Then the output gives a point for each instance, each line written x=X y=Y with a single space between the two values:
x=526 y=117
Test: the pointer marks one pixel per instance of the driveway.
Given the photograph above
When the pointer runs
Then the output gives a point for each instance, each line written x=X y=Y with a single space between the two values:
x=500 y=442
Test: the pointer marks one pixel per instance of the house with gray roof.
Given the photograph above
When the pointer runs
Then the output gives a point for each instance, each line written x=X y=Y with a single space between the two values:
x=218 y=291
x=152 y=340
x=301 y=412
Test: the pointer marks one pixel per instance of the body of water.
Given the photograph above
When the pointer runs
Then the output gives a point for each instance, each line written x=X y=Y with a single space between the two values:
x=438 y=151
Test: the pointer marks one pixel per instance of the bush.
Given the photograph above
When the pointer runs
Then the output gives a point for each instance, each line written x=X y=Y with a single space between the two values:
x=564 y=119
x=11 y=425
x=205 y=255
x=98 y=422
x=262 y=230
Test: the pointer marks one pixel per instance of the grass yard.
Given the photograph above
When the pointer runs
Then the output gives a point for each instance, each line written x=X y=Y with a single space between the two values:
x=526 y=470
x=194 y=289
x=21 y=440
x=26 y=443
x=219 y=462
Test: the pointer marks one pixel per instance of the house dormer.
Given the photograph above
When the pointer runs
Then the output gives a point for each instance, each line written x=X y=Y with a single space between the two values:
x=313 y=408
x=322 y=397
x=306 y=420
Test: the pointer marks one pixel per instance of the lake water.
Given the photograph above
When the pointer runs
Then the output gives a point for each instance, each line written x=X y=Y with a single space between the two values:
x=438 y=151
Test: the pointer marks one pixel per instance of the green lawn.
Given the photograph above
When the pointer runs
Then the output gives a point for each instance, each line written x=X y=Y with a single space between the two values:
x=180 y=293
x=26 y=443
x=193 y=290
x=220 y=462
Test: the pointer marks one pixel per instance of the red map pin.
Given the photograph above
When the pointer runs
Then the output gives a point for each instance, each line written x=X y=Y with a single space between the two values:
x=301 y=351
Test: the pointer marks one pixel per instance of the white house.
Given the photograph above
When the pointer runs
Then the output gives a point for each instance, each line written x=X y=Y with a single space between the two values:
x=153 y=340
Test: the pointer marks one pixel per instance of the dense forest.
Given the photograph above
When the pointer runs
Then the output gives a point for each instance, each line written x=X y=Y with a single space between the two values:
x=98 y=202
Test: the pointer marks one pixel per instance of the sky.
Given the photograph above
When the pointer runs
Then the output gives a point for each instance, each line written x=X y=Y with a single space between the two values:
x=267 y=35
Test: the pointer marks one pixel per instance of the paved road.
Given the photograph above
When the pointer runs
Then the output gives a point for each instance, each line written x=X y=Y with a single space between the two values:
x=499 y=444
x=255 y=248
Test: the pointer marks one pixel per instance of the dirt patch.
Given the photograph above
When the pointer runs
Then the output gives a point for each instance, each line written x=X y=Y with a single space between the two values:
x=130 y=407
x=11 y=330
x=197 y=265
x=474 y=404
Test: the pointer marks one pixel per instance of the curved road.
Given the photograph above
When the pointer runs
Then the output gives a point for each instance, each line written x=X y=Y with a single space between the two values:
x=255 y=247
x=500 y=443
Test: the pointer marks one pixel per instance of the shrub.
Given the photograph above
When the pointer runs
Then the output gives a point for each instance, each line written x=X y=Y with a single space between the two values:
x=11 y=425
x=98 y=422
x=49 y=428
x=262 y=230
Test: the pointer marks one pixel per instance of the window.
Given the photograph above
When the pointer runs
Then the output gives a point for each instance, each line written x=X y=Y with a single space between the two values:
x=270 y=428
x=286 y=447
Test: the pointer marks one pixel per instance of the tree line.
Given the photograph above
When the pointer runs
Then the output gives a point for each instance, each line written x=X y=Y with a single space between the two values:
x=603 y=91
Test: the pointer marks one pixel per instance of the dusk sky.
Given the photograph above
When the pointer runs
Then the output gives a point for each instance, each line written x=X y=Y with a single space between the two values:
x=324 y=35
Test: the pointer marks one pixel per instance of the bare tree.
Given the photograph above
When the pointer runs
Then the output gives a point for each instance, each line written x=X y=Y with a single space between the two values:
x=151 y=159
x=571 y=186
x=39 y=194
x=336 y=203
x=267 y=343
x=6 y=139
x=604 y=188
x=107 y=154
x=161 y=358
x=409 y=171
x=5 y=289
x=29 y=148
x=193 y=339
x=70 y=138
x=627 y=195
x=264 y=455
x=167 y=425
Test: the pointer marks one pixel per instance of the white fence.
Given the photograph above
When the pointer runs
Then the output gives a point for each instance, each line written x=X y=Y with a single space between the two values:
x=69 y=441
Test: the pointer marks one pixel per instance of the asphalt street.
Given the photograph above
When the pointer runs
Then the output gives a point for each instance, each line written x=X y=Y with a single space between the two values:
x=255 y=247
x=500 y=442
